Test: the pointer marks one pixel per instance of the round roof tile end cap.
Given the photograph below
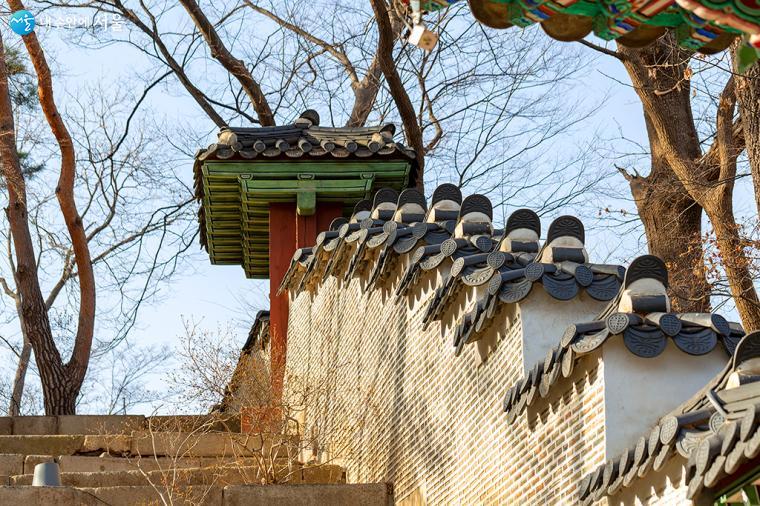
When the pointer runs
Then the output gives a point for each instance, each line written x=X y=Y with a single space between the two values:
x=309 y=118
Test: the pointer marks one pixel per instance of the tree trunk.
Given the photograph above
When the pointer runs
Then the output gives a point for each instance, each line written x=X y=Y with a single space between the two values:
x=386 y=40
x=234 y=66
x=735 y=261
x=659 y=76
x=365 y=95
x=748 y=97
x=672 y=219
x=19 y=378
x=667 y=212
x=60 y=383
x=72 y=374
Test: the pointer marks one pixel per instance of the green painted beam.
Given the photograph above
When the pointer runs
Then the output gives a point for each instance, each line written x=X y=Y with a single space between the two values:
x=237 y=195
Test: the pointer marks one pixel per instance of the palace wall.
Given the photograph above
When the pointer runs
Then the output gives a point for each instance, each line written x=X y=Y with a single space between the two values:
x=390 y=401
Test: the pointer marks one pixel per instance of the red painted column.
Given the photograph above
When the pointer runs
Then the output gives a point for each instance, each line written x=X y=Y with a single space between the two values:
x=326 y=212
x=306 y=230
x=287 y=232
x=282 y=245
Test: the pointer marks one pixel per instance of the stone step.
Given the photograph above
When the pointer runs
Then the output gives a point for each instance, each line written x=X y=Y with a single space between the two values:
x=369 y=494
x=171 y=444
x=372 y=494
x=175 y=477
x=81 y=464
x=181 y=444
x=59 y=496
x=16 y=464
x=208 y=476
x=11 y=464
x=114 y=424
x=148 y=495
x=41 y=445
x=193 y=423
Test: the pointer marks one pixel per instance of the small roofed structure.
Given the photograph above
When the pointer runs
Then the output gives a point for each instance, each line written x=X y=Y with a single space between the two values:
x=304 y=164
x=265 y=192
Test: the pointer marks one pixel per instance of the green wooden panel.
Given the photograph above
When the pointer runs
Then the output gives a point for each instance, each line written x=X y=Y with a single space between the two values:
x=237 y=195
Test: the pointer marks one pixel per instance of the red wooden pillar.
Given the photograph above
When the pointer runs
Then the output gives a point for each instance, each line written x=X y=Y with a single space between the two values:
x=288 y=231
x=282 y=245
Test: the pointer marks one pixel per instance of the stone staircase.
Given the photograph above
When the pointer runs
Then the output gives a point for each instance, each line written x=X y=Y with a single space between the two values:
x=133 y=460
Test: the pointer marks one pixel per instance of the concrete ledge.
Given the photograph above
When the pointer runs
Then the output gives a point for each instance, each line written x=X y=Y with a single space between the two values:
x=11 y=463
x=373 y=494
x=191 y=423
x=114 y=424
x=35 y=425
x=131 y=496
x=171 y=444
x=83 y=464
x=41 y=445
x=59 y=496
x=110 y=444
x=99 y=424
x=207 y=476
x=181 y=444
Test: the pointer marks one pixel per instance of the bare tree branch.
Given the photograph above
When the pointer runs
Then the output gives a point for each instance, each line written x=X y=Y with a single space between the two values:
x=234 y=66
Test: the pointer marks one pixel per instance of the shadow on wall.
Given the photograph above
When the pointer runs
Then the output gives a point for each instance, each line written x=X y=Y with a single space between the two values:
x=423 y=452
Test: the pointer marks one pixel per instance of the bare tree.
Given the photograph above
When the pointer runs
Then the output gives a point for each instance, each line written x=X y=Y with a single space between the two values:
x=206 y=362
x=120 y=380
x=748 y=98
x=358 y=67
x=694 y=167
x=61 y=381
x=140 y=222
x=480 y=108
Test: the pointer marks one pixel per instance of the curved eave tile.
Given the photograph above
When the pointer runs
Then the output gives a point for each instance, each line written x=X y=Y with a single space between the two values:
x=645 y=337
x=715 y=441
x=513 y=282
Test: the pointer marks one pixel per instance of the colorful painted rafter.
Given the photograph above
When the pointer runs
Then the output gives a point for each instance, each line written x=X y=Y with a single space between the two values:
x=708 y=26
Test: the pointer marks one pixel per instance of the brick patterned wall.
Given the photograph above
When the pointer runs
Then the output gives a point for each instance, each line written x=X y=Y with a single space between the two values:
x=393 y=403
x=664 y=488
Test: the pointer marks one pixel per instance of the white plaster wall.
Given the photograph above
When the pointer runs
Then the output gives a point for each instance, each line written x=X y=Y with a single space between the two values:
x=638 y=391
x=544 y=320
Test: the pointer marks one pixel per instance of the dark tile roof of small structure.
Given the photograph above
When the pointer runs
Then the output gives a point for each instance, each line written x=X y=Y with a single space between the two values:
x=304 y=140
x=259 y=333
x=717 y=432
x=455 y=232
x=645 y=330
